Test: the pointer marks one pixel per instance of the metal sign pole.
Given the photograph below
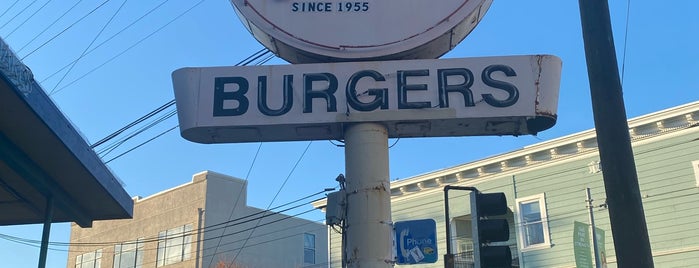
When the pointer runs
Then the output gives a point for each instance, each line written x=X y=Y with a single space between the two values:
x=369 y=228
x=591 y=218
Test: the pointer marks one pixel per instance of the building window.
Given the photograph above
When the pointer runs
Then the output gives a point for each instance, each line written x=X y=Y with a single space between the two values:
x=129 y=255
x=174 y=245
x=309 y=248
x=695 y=165
x=89 y=260
x=533 y=222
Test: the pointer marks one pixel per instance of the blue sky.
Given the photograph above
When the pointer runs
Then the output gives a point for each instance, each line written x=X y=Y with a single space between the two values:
x=124 y=78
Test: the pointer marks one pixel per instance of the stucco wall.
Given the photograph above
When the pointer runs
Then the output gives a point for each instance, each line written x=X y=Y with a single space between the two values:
x=206 y=204
x=160 y=212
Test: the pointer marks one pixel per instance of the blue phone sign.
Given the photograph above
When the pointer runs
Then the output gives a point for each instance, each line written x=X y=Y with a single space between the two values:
x=416 y=241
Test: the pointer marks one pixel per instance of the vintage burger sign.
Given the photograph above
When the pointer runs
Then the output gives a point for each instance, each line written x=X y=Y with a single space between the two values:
x=382 y=70
x=332 y=30
x=511 y=95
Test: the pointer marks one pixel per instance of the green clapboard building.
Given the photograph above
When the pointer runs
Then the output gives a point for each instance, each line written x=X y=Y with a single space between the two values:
x=545 y=185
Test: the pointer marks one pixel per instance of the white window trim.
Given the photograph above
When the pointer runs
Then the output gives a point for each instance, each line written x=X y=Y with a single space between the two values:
x=138 y=251
x=544 y=220
x=96 y=261
x=695 y=165
x=173 y=234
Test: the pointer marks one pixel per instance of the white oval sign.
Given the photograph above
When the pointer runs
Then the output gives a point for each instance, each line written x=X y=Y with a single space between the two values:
x=332 y=30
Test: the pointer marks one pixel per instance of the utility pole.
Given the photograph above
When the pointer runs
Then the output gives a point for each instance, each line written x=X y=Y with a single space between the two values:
x=628 y=222
x=369 y=226
x=591 y=218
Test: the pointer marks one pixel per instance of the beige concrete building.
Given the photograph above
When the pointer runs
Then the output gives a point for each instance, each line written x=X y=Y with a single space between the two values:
x=204 y=223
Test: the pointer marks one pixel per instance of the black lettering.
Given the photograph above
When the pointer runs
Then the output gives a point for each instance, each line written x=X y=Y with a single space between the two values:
x=464 y=88
x=327 y=93
x=220 y=96
x=403 y=88
x=512 y=91
x=312 y=7
x=380 y=94
x=287 y=92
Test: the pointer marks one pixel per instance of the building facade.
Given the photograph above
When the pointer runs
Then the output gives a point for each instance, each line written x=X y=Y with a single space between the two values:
x=546 y=184
x=204 y=223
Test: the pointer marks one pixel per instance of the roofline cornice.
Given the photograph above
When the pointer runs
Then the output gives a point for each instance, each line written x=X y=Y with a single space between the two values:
x=654 y=125
x=642 y=127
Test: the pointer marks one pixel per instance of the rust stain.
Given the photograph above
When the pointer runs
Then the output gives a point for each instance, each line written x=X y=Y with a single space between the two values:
x=354 y=256
x=539 y=62
x=381 y=187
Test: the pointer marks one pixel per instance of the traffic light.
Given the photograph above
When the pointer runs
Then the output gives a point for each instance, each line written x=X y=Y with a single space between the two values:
x=487 y=230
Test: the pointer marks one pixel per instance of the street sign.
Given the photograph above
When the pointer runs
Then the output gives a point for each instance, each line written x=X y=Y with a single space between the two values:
x=599 y=233
x=416 y=241
x=340 y=30
x=511 y=95
x=581 y=245
x=582 y=249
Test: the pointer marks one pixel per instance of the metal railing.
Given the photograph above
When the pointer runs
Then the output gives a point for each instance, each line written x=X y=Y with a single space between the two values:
x=464 y=259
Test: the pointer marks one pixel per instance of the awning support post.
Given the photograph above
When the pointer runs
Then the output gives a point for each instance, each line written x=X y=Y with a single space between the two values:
x=48 y=218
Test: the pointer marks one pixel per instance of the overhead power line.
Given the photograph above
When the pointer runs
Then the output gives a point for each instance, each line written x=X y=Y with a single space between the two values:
x=105 y=151
x=66 y=29
x=18 y=13
x=27 y=19
x=626 y=38
x=114 y=36
x=572 y=212
x=276 y=211
x=49 y=26
x=130 y=47
x=8 y=9
x=141 y=144
x=136 y=122
x=88 y=46
x=275 y=196
x=262 y=56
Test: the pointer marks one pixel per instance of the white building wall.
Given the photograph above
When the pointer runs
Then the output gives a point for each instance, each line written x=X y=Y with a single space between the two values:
x=277 y=239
